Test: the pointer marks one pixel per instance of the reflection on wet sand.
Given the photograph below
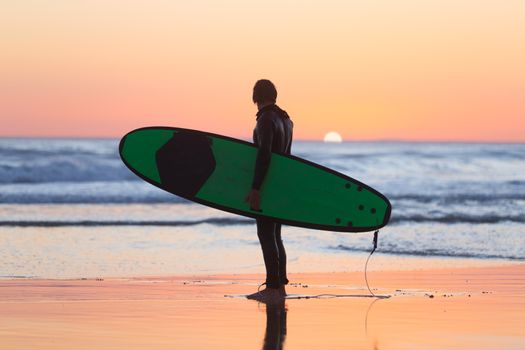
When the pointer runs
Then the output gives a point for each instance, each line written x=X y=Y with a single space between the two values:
x=275 y=334
x=276 y=315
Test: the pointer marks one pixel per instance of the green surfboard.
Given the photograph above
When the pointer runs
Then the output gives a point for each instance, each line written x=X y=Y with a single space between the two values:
x=217 y=171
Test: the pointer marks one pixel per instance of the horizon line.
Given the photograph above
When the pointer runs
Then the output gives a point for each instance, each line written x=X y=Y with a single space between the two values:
x=379 y=140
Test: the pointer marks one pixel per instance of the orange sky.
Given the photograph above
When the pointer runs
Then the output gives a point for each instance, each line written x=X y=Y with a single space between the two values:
x=404 y=69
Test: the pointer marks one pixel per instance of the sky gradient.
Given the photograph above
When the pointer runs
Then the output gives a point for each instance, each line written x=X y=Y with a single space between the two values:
x=370 y=70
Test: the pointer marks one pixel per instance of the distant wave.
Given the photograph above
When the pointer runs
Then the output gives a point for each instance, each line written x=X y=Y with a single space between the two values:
x=57 y=223
x=71 y=169
x=38 y=153
x=447 y=219
x=429 y=252
x=457 y=219
x=463 y=197
x=31 y=161
x=87 y=198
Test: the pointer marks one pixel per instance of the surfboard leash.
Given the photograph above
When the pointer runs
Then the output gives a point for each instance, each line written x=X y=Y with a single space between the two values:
x=372 y=295
x=376 y=236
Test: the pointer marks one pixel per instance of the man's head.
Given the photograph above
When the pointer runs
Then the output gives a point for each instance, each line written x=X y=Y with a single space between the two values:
x=264 y=92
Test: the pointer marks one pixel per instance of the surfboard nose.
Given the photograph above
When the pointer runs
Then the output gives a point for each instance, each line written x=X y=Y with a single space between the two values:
x=388 y=212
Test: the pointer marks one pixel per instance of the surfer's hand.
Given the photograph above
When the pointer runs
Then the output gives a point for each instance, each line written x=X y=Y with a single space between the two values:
x=254 y=198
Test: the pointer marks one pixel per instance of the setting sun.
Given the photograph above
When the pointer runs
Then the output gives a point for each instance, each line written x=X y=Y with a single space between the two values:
x=333 y=136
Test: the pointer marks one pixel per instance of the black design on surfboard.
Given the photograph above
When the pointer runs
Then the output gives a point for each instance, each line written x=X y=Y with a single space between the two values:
x=185 y=163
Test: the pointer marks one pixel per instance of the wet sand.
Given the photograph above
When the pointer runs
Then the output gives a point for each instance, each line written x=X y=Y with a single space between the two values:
x=468 y=308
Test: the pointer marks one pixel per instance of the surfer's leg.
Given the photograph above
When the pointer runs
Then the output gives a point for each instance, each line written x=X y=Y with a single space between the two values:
x=266 y=234
x=282 y=256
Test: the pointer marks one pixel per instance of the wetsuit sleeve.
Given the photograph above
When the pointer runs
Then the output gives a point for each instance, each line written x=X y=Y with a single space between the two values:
x=264 y=131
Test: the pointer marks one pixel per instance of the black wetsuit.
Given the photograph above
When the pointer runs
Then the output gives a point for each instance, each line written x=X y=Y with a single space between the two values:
x=273 y=133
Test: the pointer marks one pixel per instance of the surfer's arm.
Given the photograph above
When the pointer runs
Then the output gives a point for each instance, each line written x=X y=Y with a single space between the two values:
x=264 y=131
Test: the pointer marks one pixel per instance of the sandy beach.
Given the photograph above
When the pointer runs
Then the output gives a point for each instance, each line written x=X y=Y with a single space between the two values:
x=467 y=308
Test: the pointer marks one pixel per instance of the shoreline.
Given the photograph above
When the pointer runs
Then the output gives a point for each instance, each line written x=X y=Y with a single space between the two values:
x=394 y=282
x=350 y=263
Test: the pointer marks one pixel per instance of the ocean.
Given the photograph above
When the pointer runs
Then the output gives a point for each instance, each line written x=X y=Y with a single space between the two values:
x=69 y=208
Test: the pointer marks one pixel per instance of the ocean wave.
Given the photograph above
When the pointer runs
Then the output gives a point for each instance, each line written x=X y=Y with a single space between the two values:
x=76 y=169
x=85 y=198
x=448 y=219
x=430 y=252
x=88 y=223
x=84 y=160
x=457 y=219
x=125 y=192
x=462 y=197
x=42 y=153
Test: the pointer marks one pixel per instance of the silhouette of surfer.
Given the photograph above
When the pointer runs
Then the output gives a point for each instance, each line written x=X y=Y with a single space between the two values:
x=272 y=133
